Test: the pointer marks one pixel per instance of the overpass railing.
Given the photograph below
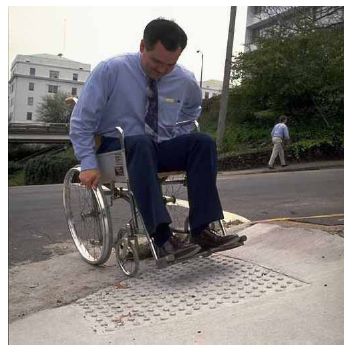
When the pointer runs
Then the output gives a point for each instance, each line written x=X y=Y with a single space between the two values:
x=38 y=128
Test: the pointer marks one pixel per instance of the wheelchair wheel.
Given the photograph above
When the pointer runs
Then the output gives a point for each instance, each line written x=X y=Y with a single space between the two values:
x=175 y=196
x=127 y=254
x=88 y=218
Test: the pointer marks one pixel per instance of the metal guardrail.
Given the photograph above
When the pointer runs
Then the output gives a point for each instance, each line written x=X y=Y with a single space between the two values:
x=38 y=128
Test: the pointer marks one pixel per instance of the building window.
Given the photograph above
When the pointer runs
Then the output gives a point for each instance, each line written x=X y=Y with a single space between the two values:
x=29 y=116
x=32 y=71
x=30 y=101
x=74 y=91
x=207 y=95
x=53 y=74
x=52 y=89
x=75 y=76
x=31 y=86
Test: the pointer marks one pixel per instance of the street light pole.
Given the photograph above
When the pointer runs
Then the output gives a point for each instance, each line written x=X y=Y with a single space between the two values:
x=200 y=52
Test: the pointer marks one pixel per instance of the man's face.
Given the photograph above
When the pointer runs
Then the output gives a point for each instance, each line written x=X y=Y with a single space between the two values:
x=159 y=61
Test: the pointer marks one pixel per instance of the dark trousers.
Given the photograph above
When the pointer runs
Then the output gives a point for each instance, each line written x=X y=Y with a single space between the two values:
x=194 y=153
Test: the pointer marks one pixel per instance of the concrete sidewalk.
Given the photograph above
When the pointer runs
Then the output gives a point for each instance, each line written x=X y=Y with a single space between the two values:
x=285 y=286
x=301 y=166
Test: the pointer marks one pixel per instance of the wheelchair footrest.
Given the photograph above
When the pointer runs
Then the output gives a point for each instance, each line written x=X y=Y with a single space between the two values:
x=208 y=252
x=170 y=259
x=165 y=261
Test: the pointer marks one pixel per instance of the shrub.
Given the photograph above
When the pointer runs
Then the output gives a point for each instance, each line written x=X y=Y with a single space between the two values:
x=21 y=151
x=315 y=149
x=13 y=167
x=48 y=169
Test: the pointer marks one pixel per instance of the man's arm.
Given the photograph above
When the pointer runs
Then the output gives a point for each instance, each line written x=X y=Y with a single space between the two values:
x=85 y=118
x=272 y=131
x=191 y=108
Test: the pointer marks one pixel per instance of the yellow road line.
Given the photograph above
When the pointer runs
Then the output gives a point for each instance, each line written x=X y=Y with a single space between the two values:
x=230 y=217
x=301 y=218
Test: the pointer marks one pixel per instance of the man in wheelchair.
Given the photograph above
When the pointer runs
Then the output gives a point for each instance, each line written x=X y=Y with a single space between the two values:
x=146 y=94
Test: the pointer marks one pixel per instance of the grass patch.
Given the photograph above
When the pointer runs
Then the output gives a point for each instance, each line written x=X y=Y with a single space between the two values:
x=17 y=179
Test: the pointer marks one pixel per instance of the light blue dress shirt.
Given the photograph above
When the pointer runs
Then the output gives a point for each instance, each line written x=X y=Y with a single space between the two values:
x=115 y=94
x=280 y=130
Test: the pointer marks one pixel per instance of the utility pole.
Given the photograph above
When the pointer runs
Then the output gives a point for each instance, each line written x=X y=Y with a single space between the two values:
x=226 y=79
x=200 y=52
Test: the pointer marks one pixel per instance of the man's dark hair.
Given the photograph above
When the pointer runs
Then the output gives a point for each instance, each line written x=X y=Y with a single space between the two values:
x=170 y=34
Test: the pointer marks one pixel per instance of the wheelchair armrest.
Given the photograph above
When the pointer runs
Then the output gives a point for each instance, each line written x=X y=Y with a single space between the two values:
x=120 y=135
x=189 y=122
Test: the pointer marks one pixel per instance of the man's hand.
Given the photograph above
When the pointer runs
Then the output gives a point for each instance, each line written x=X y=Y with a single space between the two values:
x=90 y=178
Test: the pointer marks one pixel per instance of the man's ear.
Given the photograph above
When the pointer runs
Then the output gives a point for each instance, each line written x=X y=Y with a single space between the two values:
x=141 y=46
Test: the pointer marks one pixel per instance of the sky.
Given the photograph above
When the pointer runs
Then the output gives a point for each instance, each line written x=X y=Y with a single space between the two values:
x=90 y=34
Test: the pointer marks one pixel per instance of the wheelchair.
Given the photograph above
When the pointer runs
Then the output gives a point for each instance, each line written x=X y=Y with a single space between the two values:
x=107 y=217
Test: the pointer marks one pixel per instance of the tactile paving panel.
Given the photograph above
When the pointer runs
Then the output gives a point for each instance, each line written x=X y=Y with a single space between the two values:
x=180 y=290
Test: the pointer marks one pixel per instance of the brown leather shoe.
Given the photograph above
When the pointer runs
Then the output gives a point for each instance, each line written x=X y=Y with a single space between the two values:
x=210 y=240
x=174 y=249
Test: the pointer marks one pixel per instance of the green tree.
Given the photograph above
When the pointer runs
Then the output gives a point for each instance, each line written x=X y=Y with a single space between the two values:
x=297 y=70
x=53 y=108
x=302 y=76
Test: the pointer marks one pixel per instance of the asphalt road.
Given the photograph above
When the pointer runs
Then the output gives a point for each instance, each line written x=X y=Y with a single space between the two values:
x=284 y=194
x=37 y=227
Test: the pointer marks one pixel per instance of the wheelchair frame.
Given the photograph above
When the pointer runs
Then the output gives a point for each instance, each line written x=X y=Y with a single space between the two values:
x=94 y=207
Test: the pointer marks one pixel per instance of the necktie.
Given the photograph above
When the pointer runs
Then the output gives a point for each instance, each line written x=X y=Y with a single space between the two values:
x=151 y=116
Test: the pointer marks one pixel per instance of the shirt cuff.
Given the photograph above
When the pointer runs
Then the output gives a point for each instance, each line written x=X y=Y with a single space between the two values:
x=88 y=163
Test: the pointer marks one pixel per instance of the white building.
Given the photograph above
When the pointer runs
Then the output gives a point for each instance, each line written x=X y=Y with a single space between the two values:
x=257 y=20
x=35 y=76
x=261 y=18
x=211 y=88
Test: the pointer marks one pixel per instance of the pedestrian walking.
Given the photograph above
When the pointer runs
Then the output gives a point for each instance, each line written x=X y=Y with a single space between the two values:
x=279 y=135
